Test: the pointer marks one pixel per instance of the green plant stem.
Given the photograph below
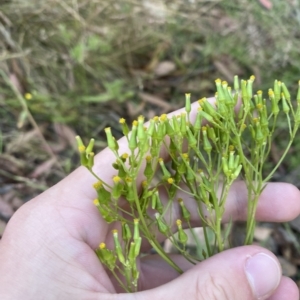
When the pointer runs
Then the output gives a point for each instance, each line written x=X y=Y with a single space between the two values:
x=208 y=249
x=187 y=256
x=153 y=242
x=219 y=209
x=127 y=276
x=252 y=204
x=147 y=233
x=120 y=282
x=217 y=225
x=283 y=155
x=156 y=246
x=200 y=212
x=251 y=219
x=196 y=239
x=98 y=178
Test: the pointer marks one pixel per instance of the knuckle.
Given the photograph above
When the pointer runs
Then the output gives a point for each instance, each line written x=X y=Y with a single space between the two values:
x=215 y=287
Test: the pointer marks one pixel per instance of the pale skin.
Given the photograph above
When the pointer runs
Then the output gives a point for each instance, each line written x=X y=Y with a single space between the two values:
x=47 y=250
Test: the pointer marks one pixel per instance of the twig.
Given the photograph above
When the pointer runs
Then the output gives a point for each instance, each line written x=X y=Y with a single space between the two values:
x=23 y=103
x=28 y=182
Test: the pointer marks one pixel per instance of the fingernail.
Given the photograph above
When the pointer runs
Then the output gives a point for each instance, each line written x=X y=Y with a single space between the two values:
x=263 y=274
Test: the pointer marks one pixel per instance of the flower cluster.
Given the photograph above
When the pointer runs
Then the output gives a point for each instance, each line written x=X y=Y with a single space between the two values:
x=208 y=150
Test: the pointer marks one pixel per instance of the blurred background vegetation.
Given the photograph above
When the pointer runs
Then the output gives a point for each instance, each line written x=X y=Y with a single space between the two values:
x=72 y=67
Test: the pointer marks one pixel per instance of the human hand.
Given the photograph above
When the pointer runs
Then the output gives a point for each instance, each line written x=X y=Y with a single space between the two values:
x=47 y=250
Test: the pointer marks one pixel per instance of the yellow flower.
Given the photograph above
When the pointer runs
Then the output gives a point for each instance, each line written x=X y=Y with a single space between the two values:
x=97 y=185
x=185 y=156
x=178 y=222
x=125 y=155
x=170 y=180
x=163 y=117
x=144 y=183
x=81 y=149
x=28 y=96
x=102 y=246
x=96 y=202
x=116 y=179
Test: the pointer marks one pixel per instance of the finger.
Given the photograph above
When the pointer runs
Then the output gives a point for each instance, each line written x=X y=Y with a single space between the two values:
x=287 y=290
x=154 y=272
x=248 y=272
x=279 y=202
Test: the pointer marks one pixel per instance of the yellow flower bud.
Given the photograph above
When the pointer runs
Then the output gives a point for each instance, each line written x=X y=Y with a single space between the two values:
x=116 y=179
x=96 y=202
x=102 y=246
x=170 y=180
x=28 y=96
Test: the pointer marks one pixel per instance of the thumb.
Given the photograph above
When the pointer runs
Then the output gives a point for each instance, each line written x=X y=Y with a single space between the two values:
x=248 y=272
